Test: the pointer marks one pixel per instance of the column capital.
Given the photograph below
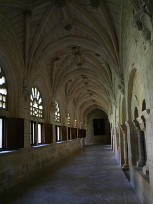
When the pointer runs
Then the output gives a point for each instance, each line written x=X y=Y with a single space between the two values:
x=139 y=120
x=142 y=122
x=143 y=126
x=130 y=126
x=123 y=127
x=146 y=113
x=127 y=123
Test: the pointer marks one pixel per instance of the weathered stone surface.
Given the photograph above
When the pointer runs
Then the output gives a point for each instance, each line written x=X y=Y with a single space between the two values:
x=91 y=177
x=15 y=166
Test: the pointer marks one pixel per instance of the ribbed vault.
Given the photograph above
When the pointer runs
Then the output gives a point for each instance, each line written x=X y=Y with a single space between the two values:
x=77 y=42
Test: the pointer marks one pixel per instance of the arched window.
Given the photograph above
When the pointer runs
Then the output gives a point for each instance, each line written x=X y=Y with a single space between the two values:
x=75 y=122
x=3 y=90
x=36 y=109
x=57 y=112
x=68 y=119
x=3 y=104
x=36 y=106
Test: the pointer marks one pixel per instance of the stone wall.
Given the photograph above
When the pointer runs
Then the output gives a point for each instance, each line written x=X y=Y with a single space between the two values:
x=137 y=65
x=17 y=165
x=141 y=185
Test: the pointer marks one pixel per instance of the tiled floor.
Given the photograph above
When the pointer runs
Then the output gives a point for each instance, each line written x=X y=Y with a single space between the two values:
x=91 y=177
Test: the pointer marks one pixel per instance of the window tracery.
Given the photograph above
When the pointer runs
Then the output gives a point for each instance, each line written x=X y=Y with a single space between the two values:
x=36 y=106
x=3 y=90
x=57 y=112
x=68 y=119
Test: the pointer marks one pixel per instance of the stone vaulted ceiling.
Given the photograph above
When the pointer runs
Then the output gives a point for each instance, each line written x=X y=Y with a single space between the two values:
x=76 y=40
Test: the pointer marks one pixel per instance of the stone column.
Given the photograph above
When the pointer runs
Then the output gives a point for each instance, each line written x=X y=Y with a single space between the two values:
x=52 y=117
x=25 y=114
x=112 y=139
x=141 y=162
x=140 y=135
x=132 y=143
x=143 y=126
x=121 y=145
x=119 y=152
x=125 y=143
x=145 y=168
x=148 y=169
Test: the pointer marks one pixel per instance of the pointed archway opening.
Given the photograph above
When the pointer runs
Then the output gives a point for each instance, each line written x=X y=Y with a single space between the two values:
x=98 y=128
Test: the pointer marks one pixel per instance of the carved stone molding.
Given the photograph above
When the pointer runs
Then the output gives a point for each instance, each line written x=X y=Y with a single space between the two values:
x=142 y=123
x=148 y=6
x=139 y=119
x=129 y=124
x=137 y=20
x=143 y=20
x=121 y=88
x=146 y=33
x=121 y=85
x=146 y=113
x=123 y=128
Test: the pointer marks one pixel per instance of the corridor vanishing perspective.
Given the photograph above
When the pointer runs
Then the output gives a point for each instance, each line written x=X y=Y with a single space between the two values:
x=92 y=176
x=73 y=74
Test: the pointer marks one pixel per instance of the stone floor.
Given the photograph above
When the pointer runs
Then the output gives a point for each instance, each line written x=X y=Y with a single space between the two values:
x=91 y=177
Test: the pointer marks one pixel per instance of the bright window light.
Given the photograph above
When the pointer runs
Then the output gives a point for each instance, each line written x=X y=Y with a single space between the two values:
x=1 y=133
x=36 y=105
x=39 y=133
x=57 y=112
x=3 y=90
x=58 y=133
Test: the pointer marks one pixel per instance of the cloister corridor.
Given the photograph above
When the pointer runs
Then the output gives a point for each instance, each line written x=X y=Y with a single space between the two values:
x=91 y=176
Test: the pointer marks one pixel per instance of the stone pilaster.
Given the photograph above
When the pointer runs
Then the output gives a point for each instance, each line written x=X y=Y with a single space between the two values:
x=140 y=135
x=125 y=146
x=144 y=127
x=132 y=143
x=142 y=160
